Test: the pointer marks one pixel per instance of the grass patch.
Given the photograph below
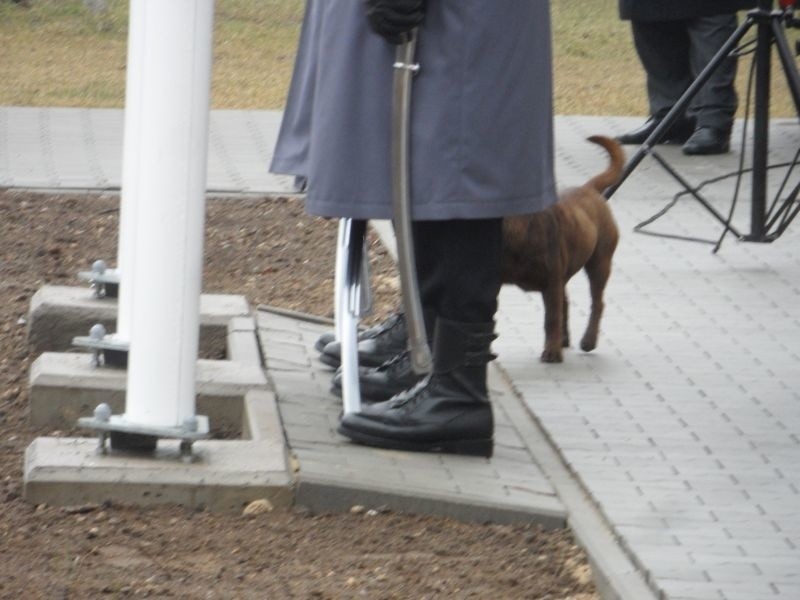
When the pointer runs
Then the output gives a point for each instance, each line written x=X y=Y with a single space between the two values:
x=595 y=67
x=60 y=53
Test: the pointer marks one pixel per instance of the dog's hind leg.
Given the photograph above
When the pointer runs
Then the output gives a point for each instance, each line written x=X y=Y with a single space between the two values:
x=553 y=297
x=565 y=322
x=598 y=270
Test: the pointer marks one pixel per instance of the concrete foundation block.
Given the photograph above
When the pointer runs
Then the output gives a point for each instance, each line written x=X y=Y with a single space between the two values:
x=65 y=386
x=226 y=476
x=243 y=341
x=58 y=313
x=262 y=420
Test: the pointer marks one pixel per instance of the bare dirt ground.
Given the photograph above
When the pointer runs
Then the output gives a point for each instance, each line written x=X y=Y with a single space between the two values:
x=274 y=254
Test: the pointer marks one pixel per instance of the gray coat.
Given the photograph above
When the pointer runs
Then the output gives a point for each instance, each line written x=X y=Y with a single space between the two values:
x=482 y=137
x=672 y=10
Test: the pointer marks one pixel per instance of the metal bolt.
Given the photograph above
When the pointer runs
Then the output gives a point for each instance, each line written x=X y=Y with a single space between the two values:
x=102 y=412
x=97 y=332
x=99 y=267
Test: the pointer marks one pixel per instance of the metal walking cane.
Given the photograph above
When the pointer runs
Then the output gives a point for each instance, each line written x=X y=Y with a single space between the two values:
x=404 y=70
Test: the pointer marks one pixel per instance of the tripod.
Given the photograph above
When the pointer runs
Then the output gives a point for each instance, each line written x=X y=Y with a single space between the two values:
x=766 y=223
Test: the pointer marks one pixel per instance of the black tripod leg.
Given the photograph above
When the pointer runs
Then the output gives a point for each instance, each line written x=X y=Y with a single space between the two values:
x=694 y=192
x=763 y=60
x=682 y=103
x=768 y=31
x=789 y=64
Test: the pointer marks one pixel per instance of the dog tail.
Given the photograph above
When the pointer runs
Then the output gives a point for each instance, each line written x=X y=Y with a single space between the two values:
x=616 y=163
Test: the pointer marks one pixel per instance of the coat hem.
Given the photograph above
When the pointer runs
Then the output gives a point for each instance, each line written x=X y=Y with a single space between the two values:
x=438 y=212
x=287 y=166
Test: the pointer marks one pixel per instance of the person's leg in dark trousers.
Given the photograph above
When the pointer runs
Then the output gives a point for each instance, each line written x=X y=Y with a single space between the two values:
x=673 y=54
x=458 y=267
x=715 y=105
x=663 y=50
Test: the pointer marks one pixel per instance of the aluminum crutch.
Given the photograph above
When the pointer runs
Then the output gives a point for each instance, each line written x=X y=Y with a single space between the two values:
x=404 y=70
x=352 y=299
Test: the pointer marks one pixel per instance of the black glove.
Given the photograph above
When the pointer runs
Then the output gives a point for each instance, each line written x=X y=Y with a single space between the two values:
x=394 y=18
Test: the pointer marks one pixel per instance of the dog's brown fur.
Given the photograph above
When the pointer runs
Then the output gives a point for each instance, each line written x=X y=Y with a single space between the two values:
x=542 y=251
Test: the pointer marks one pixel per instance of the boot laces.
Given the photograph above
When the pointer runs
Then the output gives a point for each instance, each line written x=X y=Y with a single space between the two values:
x=412 y=396
x=398 y=363
x=389 y=324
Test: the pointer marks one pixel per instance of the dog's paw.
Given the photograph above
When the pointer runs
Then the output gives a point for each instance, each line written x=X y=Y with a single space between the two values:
x=552 y=356
x=588 y=343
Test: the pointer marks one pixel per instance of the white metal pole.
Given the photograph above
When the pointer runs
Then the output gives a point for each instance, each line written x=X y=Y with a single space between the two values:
x=339 y=305
x=170 y=211
x=131 y=153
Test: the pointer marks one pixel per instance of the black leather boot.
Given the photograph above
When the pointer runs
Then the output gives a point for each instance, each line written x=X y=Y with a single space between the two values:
x=448 y=411
x=375 y=345
x=383 y=382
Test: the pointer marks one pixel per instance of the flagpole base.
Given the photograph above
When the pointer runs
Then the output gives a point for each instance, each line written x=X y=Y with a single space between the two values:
x=126 y=436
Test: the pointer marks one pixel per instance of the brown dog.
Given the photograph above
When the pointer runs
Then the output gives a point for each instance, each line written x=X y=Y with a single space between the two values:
x=543 y=250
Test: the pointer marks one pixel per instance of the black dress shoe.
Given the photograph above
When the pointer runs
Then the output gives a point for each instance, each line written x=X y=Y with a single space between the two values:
x=375 y=345
x=325 y=339
x=329 y=336
x=381 y=383
x=680 y=131
x=708 y=140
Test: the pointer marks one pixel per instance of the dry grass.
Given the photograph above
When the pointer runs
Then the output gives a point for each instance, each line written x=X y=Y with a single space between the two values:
x=597 y=71
x=58 y=53
x=595 y=66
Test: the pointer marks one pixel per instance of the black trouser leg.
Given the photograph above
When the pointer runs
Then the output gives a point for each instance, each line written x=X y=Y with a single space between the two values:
x=673 y=53
x=458 y=267
x=716 y=104
x=663 y=50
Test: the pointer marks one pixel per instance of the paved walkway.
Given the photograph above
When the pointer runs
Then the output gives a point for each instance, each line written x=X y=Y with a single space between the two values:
x=73 y=148
x=680 y=433
x=335 y=474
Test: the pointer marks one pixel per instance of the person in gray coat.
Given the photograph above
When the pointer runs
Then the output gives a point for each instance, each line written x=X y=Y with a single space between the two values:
x=481 y=149
x=675 y=40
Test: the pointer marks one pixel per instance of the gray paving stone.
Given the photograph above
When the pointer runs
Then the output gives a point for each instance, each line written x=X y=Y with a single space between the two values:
x=334 y=471
x=674 y=588
x=82 y=148
x=785 y=590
